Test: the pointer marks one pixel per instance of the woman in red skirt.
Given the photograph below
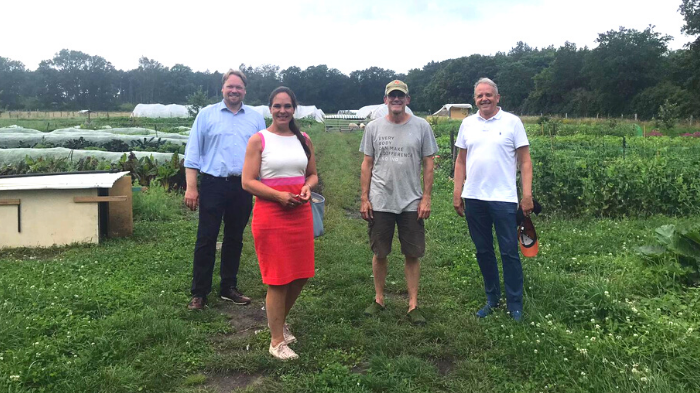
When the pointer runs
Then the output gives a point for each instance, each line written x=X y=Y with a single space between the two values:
x=280 y=170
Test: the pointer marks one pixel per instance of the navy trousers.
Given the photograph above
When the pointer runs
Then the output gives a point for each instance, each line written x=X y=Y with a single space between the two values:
x=219 y=198
x=481 y=217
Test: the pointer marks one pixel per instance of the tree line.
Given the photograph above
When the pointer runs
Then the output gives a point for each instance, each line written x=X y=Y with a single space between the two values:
x=628 y=72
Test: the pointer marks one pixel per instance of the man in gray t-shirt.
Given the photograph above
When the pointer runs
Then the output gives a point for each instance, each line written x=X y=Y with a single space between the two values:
x=394 y=148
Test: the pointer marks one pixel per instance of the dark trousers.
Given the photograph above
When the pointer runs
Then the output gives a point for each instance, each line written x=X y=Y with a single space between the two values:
x=219 y=197
x=482 y=216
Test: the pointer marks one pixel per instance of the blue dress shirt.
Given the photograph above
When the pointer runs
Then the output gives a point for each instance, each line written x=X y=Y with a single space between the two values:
x=219 y=138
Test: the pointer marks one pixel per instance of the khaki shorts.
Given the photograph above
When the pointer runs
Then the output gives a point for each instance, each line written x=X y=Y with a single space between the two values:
x=411 y=233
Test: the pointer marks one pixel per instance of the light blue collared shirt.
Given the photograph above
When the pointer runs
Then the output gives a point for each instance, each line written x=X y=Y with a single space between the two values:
x=219 y=138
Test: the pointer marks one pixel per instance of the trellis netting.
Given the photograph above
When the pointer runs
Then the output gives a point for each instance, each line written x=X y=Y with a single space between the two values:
x=13 y=137
x=13 y=156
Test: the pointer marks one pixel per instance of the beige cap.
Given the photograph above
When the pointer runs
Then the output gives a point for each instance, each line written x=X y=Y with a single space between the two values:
x=396 y=85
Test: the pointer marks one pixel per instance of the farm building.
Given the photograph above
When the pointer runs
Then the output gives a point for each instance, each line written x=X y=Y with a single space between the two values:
x=454 y=111
x=61 y=209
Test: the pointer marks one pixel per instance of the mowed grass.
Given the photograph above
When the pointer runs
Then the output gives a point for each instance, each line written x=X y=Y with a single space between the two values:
x=112 y=318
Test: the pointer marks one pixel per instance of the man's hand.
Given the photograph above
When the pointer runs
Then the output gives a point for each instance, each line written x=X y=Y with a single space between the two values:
x=458 y=204
x=527 y=205
x=192 y=198
x=424 y=207
x=366 y=210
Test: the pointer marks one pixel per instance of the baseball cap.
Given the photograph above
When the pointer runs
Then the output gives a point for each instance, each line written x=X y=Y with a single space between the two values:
x=527 y=237
x=396 y=85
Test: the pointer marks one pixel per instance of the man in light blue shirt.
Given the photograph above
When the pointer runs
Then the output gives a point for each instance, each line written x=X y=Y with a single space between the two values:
x=215 y=150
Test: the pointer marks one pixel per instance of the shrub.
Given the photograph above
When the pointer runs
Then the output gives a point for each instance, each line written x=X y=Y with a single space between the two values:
x=669 y=114
x=126 y=107
x=196 y=101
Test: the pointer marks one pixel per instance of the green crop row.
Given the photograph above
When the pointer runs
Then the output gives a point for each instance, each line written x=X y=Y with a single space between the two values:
x=144 y=171
x=580 y=175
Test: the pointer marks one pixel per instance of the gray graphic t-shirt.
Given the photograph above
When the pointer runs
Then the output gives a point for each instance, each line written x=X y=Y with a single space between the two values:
x=398 y=151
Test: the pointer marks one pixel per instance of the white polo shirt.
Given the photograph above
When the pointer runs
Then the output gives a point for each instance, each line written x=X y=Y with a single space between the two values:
x=491 y=158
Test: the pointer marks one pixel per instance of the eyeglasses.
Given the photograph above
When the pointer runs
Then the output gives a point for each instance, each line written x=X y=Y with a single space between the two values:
x=397 y=94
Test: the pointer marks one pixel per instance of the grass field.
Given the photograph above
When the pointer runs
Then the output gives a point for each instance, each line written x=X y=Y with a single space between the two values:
x=112 y=318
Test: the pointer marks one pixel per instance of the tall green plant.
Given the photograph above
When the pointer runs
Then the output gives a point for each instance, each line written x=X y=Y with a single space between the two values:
x=196 y=101
x=669 y=113
x=682 y=245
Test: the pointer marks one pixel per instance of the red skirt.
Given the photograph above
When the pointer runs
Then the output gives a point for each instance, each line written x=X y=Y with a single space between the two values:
x=284 y=239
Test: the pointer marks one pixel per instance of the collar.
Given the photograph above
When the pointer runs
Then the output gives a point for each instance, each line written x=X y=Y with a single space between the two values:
x=222 y=105
x=497 y=116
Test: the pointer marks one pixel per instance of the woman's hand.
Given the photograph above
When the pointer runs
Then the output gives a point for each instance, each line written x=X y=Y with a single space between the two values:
x=289 y=200
x=305 y=194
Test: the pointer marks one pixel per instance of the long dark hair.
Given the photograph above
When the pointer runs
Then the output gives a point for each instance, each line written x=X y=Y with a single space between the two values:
x=292 y=125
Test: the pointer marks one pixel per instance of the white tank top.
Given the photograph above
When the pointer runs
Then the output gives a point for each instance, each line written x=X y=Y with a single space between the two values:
x=283 y=159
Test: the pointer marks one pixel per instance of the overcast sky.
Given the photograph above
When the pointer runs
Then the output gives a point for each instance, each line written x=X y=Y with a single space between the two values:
x=347 y=35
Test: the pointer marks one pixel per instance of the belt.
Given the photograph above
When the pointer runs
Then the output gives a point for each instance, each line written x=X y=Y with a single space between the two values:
x=227 y=178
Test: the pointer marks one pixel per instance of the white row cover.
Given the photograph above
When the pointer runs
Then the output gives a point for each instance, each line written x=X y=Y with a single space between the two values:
x=13 y=156
x=75 y=180
x=303 y=111
x=160 y=110
x=173 y=110
x=14 y=137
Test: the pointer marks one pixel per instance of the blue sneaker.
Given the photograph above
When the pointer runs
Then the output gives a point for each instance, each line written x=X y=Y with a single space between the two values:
x=517 y=315
x=486 y=310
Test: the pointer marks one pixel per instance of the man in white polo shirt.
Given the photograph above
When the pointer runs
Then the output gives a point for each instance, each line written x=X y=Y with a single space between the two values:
x=492 y=146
